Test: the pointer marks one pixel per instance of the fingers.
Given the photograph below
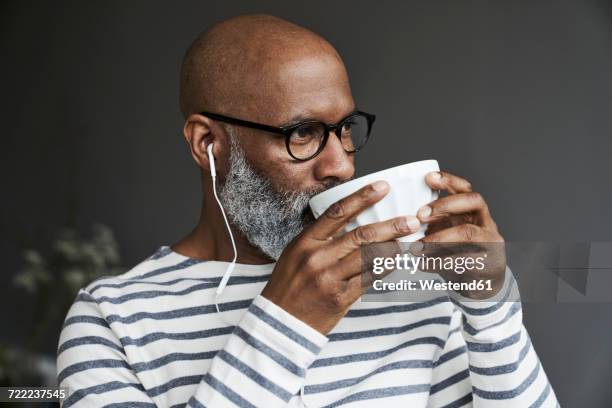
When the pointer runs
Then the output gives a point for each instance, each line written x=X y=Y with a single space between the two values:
x=343 y=211
x=372 y=233
x=440 y=180
x=448 y=222
x=459 y=234
x=357 y=285
x=465 y=238
x=464 y=203
x=363 y=260
x=461 y=203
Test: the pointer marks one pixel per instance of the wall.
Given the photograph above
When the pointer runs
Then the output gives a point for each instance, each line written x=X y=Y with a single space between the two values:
x=515 y=96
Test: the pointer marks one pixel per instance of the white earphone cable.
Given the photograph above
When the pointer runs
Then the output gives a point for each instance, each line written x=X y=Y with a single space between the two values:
x=302 y=396
x=231 y=266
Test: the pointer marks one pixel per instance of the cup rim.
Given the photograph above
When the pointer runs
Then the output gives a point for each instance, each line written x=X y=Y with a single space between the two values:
x=378 y=175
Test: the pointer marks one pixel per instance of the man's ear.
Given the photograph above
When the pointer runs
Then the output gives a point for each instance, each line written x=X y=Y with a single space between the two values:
x=199 y=132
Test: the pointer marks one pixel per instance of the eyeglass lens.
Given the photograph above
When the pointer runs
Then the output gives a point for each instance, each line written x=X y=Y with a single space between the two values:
x=306 y=140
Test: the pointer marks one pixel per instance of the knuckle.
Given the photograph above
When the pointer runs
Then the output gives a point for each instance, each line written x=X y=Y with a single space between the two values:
x=337 y=300
x=469 y=232
x=365 y=234
x=438 y=208
x=336 y=210
x=319 y=281
x=432 y=240
x=368 y=192
x=312 y=264
x=400 y=226
x=308 y=263
x=476 y=198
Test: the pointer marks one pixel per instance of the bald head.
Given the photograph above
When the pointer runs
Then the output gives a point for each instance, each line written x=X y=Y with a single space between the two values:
x=263 y=69
x=241 y=65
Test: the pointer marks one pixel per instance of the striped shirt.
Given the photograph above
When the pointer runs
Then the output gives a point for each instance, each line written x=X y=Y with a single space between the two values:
x=153 y=337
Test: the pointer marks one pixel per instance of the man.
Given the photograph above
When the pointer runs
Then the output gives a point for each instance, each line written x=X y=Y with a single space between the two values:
x=286 y=330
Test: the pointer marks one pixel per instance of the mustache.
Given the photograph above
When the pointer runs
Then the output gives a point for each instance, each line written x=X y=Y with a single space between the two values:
x=300 y=198
x=331 y=184
x=311 y=192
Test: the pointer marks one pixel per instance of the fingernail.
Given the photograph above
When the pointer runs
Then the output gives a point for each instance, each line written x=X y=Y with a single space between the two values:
x=424 y=212
x=413 y=223
x=434 y=175
x=380 y=185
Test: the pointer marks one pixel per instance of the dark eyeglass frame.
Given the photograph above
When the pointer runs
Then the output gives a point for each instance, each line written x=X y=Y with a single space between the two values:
x=287 y=131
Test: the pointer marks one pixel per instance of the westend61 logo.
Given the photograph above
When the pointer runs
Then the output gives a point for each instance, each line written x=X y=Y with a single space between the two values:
x=412 y=263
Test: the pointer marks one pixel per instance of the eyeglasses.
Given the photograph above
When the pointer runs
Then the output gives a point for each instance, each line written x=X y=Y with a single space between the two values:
x=307 y=139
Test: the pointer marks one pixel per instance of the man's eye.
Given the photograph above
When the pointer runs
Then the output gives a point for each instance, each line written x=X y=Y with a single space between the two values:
x=306 y=131
x=348 y=124
x=305 y=134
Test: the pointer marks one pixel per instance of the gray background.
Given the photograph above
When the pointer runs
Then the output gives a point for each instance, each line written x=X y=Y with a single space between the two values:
x=513 y=95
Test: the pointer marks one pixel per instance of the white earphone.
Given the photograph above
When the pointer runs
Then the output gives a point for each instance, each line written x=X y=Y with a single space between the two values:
x=230 y=267
x=211 y=160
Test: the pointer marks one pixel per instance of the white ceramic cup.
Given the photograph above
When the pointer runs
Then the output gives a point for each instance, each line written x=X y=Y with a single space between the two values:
x=407 y=193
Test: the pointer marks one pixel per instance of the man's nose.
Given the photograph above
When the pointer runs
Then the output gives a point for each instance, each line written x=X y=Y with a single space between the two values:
x=333 y=161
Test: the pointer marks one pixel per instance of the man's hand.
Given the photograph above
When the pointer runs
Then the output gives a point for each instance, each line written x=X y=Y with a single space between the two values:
x=318 y=276
x=461 y=222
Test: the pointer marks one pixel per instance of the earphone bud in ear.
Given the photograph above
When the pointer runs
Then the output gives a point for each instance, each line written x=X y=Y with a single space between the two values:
x=211 y=160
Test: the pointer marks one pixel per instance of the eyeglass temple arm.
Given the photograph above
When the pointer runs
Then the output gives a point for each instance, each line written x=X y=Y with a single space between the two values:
x=244 y=123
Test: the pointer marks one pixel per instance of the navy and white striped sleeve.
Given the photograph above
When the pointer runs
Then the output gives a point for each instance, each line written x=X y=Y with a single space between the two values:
x=504 y=369
x=450 y=382
x=262 y=364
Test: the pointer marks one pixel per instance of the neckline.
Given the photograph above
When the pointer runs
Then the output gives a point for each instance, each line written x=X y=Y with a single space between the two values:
x=251 y=267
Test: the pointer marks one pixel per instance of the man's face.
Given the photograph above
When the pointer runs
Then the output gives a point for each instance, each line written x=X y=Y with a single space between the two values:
x=314 y=87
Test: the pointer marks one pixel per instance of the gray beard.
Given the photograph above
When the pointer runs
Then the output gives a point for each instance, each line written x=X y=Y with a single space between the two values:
x=268 y=218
